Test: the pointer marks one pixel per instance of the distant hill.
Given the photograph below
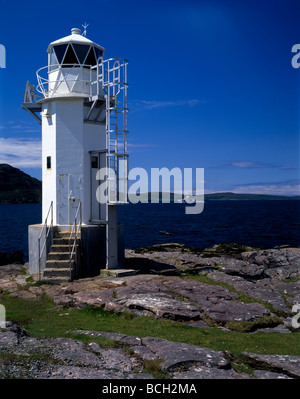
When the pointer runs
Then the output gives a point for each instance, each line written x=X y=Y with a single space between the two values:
x=227 y=196
x=16 y=187
x=233 y=196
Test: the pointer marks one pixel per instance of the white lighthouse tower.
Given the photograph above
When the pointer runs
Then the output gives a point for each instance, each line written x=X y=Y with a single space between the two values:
x=82 y=107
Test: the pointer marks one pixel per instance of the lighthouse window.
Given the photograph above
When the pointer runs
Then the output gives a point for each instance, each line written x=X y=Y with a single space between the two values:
x=70 y=57
x=60 y=52
x=81 y=51
x=48 y=162
x=90 y=59
x=94 y=163
x=53 y=59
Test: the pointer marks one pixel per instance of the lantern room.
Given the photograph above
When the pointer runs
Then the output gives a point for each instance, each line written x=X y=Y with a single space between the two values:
x=73 y=66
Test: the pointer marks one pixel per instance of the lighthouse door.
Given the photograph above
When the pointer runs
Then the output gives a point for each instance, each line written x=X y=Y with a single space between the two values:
x=64 y=199
x=98 y=209
x=95 y=210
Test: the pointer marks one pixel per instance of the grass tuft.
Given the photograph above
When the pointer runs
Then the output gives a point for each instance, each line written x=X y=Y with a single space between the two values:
x=41 y=318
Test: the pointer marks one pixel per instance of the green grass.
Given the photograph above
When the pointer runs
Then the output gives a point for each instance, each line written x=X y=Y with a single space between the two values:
x=291 y=280
x=41 y=318
x=154 y=368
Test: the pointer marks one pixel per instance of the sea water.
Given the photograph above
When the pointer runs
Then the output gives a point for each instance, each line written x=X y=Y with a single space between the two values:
x=263 y=224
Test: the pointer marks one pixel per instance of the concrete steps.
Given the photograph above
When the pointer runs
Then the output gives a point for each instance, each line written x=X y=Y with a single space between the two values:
x=54 y=256
x=56 y=280
x=57 y=265
x=57 y=272
x=118 y=272
x=60 y=248
x=63 y=241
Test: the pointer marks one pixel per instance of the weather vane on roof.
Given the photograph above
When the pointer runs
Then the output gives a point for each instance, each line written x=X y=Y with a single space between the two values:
x=84 y=27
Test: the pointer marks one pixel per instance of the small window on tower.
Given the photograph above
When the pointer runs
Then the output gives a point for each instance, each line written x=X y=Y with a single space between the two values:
x=48 y=162
x=94 y=162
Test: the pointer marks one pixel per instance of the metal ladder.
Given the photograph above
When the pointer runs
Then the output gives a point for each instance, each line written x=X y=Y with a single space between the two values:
x=115 y=85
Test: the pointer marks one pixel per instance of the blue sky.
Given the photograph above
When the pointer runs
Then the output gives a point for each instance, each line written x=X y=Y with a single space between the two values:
x=211 y=84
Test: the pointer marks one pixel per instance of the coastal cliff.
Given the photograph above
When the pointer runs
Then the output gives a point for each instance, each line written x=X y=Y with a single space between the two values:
x=17 y=187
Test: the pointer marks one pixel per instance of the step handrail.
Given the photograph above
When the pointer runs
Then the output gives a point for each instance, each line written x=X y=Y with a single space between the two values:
x=76 y=229
x=49 y=231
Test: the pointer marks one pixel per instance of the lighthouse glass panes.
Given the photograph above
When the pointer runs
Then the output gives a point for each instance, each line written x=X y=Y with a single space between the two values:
x=53 y=60
x=72 y=54
x=81 y=51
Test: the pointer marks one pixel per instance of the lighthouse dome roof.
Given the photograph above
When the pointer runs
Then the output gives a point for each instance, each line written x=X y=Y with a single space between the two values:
x=75 y=37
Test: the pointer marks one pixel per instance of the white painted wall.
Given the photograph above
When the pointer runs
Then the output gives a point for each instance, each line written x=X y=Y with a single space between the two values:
x=68 y=140
x=49 y=149
x=94 y=139
x=65 y=81
x=69 y=158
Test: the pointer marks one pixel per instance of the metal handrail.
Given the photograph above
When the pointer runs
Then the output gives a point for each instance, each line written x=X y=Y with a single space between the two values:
x=50 y=230
x=103 y=68
x=76 y=229
x=42 y=81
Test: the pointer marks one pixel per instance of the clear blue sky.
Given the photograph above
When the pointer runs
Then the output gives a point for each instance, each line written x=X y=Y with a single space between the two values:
x=211 y=84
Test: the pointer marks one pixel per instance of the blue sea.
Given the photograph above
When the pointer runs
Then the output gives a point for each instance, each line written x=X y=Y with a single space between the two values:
x=264 y=224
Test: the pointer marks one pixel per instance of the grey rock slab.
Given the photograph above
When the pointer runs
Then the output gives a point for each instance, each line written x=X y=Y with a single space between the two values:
x=131 y=340
x=144 y=352
x=68 y=350
x=281 y=263
x=73 y=372
x=65 y=300
x=108 y=335
x=196 y=323
x=273 y=257
x=237 y=311
x=199 y=292
x=285 y=364
x=114 y=359
x=283 y=272
x=127 y=339
x=23 y=294
x=175 y=354
x=217 y=301
x=279 y=329
x=207 y=373
x=140 y=376
x=152 y=302
x=7 y=338
x=260 y=289
x=291 y=290
x=143 y=286
x=154 y=297
x=239 y=267
x=269 y=375
x=263 y=290
x=99 y=298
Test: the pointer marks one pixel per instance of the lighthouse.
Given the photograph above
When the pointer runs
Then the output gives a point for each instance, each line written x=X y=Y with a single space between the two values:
x=80 y=101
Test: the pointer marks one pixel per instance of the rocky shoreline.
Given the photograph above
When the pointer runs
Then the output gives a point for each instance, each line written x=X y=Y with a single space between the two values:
x=228 y=287
x=64 y=358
